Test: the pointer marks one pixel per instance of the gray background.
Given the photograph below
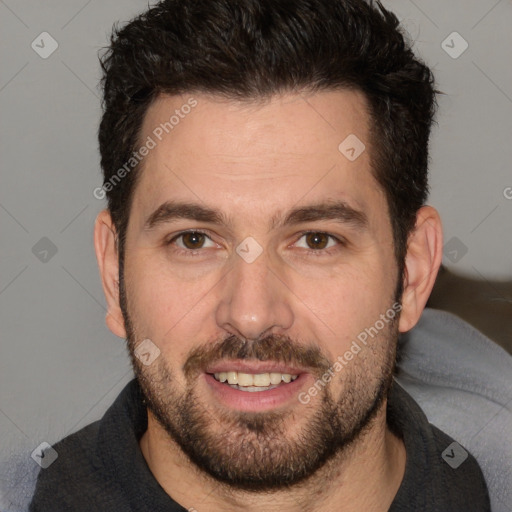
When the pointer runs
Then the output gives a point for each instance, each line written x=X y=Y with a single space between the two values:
x=60 y=367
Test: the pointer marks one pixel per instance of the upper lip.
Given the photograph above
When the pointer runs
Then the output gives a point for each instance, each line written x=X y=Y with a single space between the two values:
x=255 y=367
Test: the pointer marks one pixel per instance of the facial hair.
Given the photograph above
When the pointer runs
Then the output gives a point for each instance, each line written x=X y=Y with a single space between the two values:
x=271 y=450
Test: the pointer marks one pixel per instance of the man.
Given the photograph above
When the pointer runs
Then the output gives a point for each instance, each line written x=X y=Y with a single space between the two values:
x=266 y=241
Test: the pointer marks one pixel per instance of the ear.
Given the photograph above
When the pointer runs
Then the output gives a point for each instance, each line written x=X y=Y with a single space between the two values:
x=422 y=262
x=105 y=245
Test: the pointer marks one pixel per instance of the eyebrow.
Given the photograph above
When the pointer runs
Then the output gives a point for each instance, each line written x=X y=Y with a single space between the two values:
x=339 y=211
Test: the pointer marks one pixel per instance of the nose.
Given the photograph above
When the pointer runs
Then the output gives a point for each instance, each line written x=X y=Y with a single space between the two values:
x=255 y=302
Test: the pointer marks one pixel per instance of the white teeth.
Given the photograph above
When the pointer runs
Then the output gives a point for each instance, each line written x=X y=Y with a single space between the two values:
x=275 y=378
x=245 y=379
x=259 y=380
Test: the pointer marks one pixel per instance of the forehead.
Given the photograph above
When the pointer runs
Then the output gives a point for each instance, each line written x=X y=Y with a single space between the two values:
x=257 y=156
x=307 y=123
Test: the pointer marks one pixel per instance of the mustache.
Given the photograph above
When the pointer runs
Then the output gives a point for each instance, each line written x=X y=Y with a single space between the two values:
x=279 y=349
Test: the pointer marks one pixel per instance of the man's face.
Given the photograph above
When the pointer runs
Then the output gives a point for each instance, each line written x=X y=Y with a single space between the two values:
x=255 y=298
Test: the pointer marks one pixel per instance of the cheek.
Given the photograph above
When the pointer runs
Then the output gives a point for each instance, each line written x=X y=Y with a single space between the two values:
x=339 y=306
x=350 y=293
x=162 y=306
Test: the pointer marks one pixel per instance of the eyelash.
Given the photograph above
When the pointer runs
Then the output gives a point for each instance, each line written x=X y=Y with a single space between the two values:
x=318 y=252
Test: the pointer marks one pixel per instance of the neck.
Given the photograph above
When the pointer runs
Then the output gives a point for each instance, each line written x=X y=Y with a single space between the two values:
x=364 y=476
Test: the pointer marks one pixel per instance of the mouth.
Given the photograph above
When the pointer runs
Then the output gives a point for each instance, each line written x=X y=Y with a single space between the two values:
x=256 y=386
x=254 y=382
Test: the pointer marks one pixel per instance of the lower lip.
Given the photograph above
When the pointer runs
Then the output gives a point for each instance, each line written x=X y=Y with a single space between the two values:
x=255 y=401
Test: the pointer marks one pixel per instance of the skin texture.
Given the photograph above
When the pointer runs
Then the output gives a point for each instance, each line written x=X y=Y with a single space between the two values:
x=254 y=161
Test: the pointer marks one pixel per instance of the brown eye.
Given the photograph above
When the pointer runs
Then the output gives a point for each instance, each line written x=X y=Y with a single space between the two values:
x=319 y=243
x=317 y=240
x=190 y=241
x=193 y=240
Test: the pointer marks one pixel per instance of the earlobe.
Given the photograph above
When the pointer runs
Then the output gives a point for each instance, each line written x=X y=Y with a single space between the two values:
x=105 y=245
x=422 y=262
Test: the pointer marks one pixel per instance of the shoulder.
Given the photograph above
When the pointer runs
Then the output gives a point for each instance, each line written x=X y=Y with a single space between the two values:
x=462 y=381
x=459 y=472
x=440 y=473
x=77 y=480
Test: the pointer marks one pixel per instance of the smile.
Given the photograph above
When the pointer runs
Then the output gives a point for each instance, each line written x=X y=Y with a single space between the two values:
x=254 y=382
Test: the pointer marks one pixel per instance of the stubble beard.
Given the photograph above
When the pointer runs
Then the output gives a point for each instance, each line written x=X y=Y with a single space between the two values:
x=268 y=451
